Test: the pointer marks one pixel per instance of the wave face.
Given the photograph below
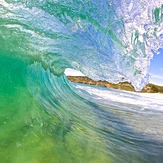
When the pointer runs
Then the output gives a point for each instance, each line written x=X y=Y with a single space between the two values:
x=46 y=118
x=106 y=40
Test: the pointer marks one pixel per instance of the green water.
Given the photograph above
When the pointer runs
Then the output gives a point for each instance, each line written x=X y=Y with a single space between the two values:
x=28 y=133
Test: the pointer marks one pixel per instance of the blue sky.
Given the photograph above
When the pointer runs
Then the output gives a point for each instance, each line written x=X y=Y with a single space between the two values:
x=156 y=69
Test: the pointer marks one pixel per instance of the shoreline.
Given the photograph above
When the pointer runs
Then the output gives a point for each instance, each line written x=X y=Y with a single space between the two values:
x=149 y=88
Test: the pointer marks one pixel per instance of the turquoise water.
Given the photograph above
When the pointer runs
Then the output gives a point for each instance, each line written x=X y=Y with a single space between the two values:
x=46 y=118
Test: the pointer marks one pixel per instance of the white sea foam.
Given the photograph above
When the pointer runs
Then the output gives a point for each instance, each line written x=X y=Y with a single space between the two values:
x=142 y=112
x=145 y=101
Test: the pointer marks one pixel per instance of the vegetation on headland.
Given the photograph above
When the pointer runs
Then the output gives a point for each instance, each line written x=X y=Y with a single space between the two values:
x=149 y=88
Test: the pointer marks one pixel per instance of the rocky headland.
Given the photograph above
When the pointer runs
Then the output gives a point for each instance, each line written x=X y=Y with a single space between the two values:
x=149 y=88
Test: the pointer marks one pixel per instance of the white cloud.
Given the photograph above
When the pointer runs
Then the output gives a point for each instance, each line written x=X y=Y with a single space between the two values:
x=161 y=69
x=72 y=72
x=156 y=76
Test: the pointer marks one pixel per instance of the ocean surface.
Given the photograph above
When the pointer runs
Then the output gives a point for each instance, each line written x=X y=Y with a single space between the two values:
x=46 y=118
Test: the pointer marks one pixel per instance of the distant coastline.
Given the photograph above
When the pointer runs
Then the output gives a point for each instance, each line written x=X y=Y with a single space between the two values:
x=149 y=88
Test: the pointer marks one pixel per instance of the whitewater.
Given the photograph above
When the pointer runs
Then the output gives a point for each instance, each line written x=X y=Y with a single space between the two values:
x=46 y=118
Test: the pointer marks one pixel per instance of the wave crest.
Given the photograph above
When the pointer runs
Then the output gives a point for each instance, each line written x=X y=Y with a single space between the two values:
x=106 y=40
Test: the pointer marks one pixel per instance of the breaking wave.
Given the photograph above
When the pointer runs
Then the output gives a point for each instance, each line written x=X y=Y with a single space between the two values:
x=46 y=118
